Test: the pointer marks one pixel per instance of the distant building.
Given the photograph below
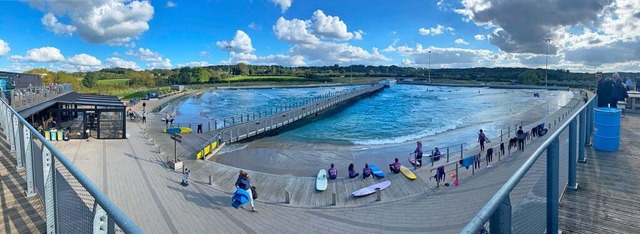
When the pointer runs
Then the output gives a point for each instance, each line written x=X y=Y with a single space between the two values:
x=22 y=80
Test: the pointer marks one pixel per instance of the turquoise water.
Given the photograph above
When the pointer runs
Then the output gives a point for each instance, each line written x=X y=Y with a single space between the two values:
x=372 y=129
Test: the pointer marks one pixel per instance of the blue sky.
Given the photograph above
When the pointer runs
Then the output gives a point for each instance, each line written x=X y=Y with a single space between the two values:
x=77 y=35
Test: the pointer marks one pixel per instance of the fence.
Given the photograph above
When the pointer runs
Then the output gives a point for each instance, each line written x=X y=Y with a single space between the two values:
x=21 y=99
x=73 y=204
x=528 y=201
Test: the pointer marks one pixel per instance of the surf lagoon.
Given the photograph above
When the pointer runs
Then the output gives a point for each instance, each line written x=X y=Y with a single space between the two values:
x=375 y=129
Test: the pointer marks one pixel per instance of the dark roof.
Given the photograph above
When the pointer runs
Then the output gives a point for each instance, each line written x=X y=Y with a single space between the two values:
x=75 y=98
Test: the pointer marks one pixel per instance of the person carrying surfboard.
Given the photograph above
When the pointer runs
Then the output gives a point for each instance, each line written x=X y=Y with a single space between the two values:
x=244 y=183
x=333 y=172
x=395 y=167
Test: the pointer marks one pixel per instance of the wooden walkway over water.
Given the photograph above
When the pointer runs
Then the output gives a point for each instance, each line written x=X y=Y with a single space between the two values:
x=193 y=143
x=608 y=195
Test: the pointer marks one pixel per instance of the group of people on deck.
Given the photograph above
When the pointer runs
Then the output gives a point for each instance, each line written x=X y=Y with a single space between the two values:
x=366 y=172
x=435 y=155
x=610 y=90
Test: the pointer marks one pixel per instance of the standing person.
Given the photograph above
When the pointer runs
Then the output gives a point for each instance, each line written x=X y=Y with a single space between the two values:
x=604 y=90
x=352 y=171
x=628 y=84
x=418 y=153
x=185 y=176
x=166 y=120
x=489 y=156
x=618 y=92
x=243 y=182
x=366 y=171
x=200 y=128
x=333 y=172
x=521 y=136
x=481 y=139
x=436 y=154
x=144 y=106
x=638 y=83
x=144 y=117
x=170 y=120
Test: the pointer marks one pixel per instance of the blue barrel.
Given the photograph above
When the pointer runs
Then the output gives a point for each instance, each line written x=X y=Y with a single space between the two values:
x=607 y=134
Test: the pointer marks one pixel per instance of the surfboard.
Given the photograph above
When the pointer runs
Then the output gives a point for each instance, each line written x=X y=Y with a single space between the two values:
x=181 y=130
x=371 y=189
x=321 y=180
x=406 y=172
x=376 y=172
x=413 y=161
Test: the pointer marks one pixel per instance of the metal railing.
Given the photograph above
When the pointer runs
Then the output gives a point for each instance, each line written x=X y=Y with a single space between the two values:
x=72 y=203
x=254 y=127
x=21 y=99
x=529 y=200
x=256 y=115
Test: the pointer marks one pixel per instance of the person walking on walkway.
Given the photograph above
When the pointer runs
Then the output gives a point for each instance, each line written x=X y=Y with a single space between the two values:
x=243 y=182
x=144 y=117
x=481 y=139
x=521 y=136
x=144 y=106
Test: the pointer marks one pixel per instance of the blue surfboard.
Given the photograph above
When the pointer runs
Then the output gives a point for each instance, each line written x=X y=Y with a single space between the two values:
x=376 y=172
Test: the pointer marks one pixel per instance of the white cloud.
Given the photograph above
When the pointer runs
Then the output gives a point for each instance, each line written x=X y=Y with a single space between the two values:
x=171 y=4
x=447 y=57
x=51 y=22
x=392 y=47
x=166 y=63
x=406 y=62
x=241 y=43
x=113 y=22
x=284 y=60
x=479 y=37
x=284 y=4
x=203 y=53
x=461 y=41
x=254 y=26
x=294 y=31
x=84 y=60
x=357 y=35
x=43 y=55
x=145 y=55
x=437 y=30
x=330 y=26
x=195 y=64
x=328 y=53
x=118 y=62
x=4 y=48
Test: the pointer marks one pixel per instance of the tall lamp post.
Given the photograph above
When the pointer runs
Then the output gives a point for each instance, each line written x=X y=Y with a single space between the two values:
x=229 y=53
x=351 y=68
x=429 y=66
x=546 y=61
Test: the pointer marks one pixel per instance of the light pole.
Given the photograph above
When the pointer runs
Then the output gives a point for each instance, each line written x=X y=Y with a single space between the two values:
x=350 y=69
x=429 y=66
x=546 y=61
x=229 y=53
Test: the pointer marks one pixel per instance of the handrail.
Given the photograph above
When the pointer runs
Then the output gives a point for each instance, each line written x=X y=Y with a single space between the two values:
x=477 y=222
x=120 y=218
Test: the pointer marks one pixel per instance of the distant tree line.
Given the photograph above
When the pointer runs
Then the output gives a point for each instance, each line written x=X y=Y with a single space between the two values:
x=218 y=73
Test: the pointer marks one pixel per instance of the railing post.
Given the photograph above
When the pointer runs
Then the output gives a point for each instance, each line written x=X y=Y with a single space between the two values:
x=28 y=158
x=553 y=173
x=447 y=153
x=102 y=224
x=501 y=218
x=589 y=122
x=10 y=133
x=584 y=129
x=572 y=154
x=48 y=167
x=19 y=144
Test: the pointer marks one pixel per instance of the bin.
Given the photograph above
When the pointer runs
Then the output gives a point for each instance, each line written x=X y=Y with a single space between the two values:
x=47 y=135
x=60 y=135
x=607 y=134
x=54 y=135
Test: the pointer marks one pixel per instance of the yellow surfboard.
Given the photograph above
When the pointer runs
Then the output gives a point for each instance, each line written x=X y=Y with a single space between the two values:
x=406 y=172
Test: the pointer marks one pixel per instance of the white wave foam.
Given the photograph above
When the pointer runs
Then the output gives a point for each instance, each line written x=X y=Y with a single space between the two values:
x=407 y=138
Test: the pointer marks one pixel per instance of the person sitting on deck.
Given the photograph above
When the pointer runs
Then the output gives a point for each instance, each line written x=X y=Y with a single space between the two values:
x=352 y=171
x=395 y=166
x=436 y=154
x=333 y=172
x=366 y=171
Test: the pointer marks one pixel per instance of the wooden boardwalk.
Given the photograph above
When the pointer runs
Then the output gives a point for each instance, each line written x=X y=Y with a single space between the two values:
x=608 y=196
x=20 y=214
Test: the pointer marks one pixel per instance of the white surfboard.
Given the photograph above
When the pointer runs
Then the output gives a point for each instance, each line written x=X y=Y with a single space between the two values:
x=321 y=180
x=371 y=189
